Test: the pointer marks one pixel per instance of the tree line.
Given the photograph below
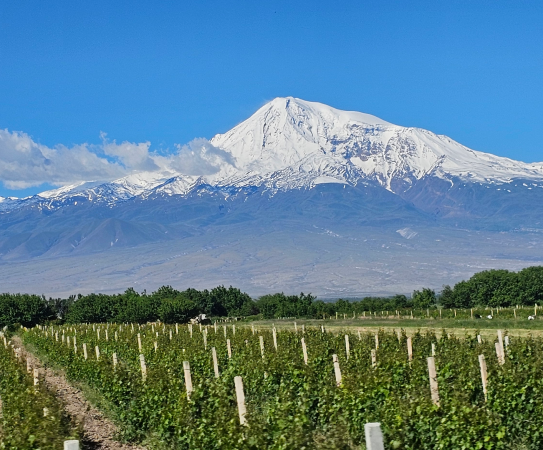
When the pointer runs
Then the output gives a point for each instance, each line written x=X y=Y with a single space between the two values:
x=488 y=288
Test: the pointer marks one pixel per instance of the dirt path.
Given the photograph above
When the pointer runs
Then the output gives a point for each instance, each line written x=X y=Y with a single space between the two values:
x=98 y=430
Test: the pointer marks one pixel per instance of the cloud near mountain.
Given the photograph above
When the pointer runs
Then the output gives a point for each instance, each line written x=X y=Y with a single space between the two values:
x=25 y=163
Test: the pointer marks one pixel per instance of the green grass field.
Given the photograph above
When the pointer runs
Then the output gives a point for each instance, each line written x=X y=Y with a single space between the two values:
x=485 y=327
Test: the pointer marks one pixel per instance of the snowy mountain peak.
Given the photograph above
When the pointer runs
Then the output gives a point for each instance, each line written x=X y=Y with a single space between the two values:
x=316 y=139
x=291 y=143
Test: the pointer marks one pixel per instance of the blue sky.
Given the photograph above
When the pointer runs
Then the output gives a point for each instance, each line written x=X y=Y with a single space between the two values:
x=166 y=72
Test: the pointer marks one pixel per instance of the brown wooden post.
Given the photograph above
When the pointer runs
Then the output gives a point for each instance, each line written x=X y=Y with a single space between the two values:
x=501 y=359
x=337 y=370
x=143 y=367
x=347 y=346
x=373 y=357
x=433 y=380
x=240 y=397
x=215 y=362
x=304 y=351
x=229 y=347
x=188 y=378
x=482 y=364
x=261 y=345
x=409 y=349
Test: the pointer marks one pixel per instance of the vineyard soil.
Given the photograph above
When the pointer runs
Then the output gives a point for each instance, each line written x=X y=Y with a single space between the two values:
x=98 y=431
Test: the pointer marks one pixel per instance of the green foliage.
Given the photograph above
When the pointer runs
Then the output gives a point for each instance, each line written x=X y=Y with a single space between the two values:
x=177 y=310
x=24 y=309
x=424 y=299
x=496 y=288
x=22 y=422
x=293 y=405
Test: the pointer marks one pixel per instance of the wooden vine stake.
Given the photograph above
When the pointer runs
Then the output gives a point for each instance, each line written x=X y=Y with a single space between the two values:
x=224 y=329
x=71 y=445
x=240 y=397
x=347 y=346
x=143 y=367
x=36 y=377
x=261 y=345
x=139 y=342
x=433 y=349
x=85 y=351
x=97 y=350
x=337 y=370
x=409 y=349
x=215 y=362
x=274 y=338
x=376 y=341
x=188 y=379
x=28 y=365
x=433 y=380
x=374 y=436
x=176 y=328
x=500 y=340
x=190 y=330
x=205 y=339
x=229 y=348
x=304 y=351
x=484 y=375
x=499 y=354
x=373 y=358
x=479 y=340
x=234 y=330
x=156 y=346
x=295 y=328
x=114 y=361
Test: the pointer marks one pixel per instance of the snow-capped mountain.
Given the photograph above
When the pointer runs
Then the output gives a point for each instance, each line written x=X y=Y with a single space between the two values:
x=291 y=135
x=299 y=189
x=291 y=144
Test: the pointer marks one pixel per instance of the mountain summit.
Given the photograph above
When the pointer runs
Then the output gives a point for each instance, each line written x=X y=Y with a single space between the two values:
x=347 y=146
x=292 y=144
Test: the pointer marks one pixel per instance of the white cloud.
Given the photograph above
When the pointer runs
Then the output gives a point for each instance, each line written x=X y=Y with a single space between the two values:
x=199 y=157
x=25 y=163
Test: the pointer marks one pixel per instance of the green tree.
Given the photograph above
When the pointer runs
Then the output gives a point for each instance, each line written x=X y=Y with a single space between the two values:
x=424 y=299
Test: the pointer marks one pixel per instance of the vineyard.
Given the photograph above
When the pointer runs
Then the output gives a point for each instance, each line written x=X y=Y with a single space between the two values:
x=174 y=386
x=30 y=416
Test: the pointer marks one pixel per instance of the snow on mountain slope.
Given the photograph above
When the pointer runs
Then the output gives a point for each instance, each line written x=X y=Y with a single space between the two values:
x=291 y=144
x=312 y=137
